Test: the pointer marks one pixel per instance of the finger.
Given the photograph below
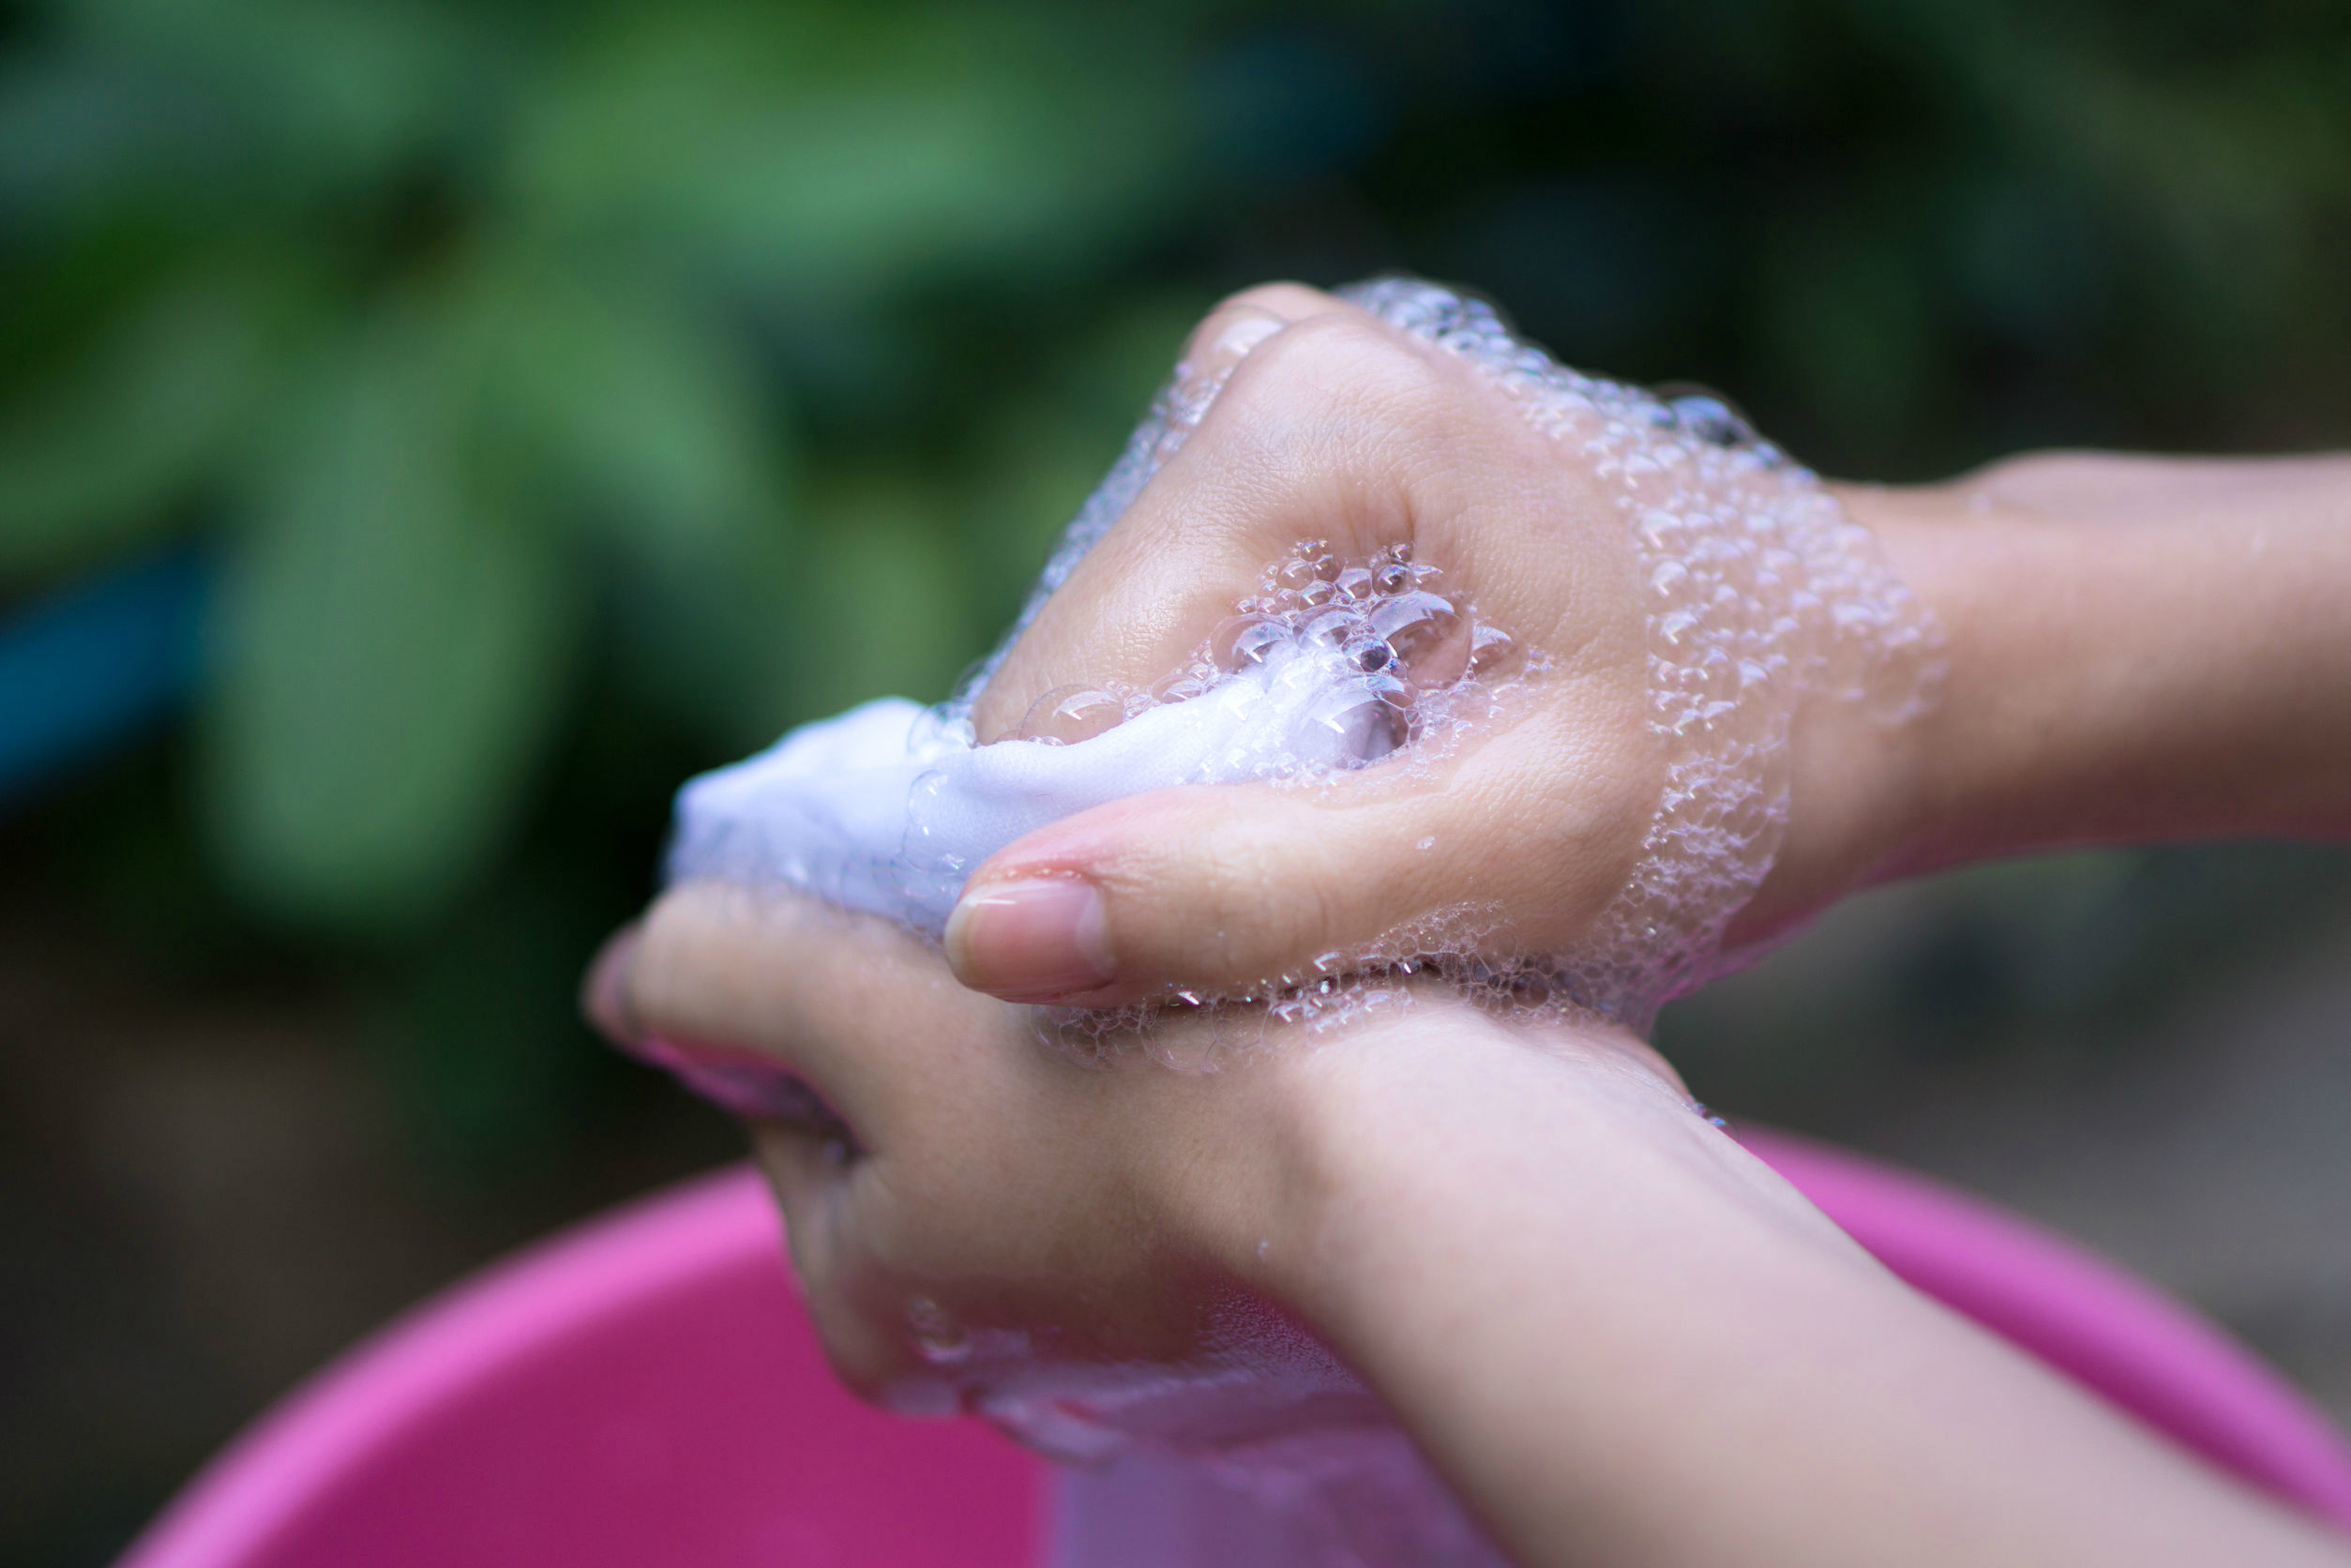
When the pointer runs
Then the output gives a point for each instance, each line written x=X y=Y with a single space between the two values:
x=1225 y=889
x=742 y=1082
x=1227 y=334
x=603 y=992
x=812 y=1189
x=1337 y=428
x=857 y=1009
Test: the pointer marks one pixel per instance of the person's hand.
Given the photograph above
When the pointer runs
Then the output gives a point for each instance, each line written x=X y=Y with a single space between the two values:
x=1336 y=427
x=974 y=1211
x=2136 y=649
x=1616 y=1335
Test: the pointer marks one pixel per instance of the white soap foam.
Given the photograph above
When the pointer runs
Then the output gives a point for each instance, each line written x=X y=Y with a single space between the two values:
x=1761 y=592
x=887 y=807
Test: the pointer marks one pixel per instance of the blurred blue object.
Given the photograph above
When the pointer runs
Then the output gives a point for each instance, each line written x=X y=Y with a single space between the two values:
x=86 y=668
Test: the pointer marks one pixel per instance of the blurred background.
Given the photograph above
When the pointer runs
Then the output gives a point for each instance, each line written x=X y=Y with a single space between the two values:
x=429 y=431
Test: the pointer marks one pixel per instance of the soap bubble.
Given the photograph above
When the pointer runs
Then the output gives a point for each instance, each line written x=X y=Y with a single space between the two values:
x=1706 y=416
x=1246 y=640
x=1369 y=723
x=1295 y=574
x=1333 y=628
x=1490 y=647
x=1182 y=687
x=1425 y=631
x=1070 y=713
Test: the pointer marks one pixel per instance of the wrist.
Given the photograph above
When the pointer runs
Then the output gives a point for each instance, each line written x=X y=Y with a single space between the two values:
x=2138 y=649
x=1529 y=1247
x=1364 y=1141
x=1857 y=781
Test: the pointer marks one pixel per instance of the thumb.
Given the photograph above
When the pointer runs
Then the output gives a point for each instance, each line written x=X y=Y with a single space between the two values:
x=1232 y=889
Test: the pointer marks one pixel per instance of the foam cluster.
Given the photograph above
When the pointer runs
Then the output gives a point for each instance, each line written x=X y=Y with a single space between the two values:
x=1761 y=592
x=1388 y=653
x=886 y=808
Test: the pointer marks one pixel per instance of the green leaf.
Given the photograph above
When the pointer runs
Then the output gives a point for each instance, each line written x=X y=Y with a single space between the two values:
x=151 y=411
x=837 y=155
x=882 y=606
x=650 y=417
x=322 y=93
x=646 y=421
x=392 y=655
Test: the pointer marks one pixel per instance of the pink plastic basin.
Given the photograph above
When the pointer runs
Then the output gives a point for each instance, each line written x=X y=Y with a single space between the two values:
x=645 y=1389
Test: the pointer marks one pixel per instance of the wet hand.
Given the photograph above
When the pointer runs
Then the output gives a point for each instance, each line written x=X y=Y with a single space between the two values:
x=1621 y=801
x=981 y=1216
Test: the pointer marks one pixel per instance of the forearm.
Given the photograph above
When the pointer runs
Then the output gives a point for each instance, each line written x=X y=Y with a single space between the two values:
x=2137 y=650
x=2140 y=650
x=1622 y=1340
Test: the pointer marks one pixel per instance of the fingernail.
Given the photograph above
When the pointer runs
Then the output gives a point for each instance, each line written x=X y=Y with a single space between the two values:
x=605 y=997
x=1033 y=941
x=1249 y=327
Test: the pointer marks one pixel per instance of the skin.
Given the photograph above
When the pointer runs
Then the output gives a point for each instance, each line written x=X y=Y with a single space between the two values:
x=2135 y=646
x=1618 y=1337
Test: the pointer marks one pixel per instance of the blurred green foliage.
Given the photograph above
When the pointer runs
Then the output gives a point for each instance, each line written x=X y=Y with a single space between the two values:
x=574 y=395
x=753 y=340
x=454 y=320
x=571 y=396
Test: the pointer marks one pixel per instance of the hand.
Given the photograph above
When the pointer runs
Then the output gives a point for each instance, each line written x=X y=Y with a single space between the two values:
x=2137 y=648
x=1616 y=1335
x=976 y=1212
x=1642 y=669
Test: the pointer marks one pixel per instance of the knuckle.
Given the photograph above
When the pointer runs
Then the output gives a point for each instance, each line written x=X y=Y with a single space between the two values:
x=1341 y=360
x=1344 y=389
x=1288 y=300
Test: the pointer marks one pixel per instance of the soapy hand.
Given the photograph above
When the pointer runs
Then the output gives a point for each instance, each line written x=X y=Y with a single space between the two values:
x=1693 y=630
x=982 y=1222
x=1590 y=1311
